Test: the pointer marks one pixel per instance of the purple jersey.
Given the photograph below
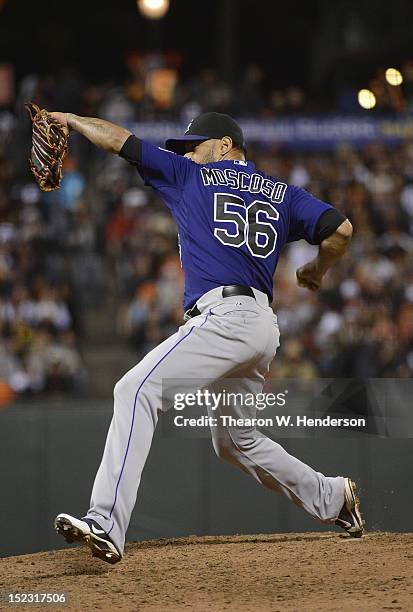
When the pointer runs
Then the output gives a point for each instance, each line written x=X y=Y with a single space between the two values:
x=233 y=220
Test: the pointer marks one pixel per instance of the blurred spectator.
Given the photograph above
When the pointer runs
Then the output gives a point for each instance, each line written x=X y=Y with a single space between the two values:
x=73 y=184
x=140 y=321
x=250 y=98
x=293 y=363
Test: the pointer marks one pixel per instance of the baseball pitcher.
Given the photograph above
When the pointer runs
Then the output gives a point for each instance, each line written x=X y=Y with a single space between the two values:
x=233 y=221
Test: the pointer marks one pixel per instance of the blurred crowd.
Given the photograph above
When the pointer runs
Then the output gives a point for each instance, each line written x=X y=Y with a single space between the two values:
x=103 y=233
x=39 y=323
x=155 y=88
x=361 y=323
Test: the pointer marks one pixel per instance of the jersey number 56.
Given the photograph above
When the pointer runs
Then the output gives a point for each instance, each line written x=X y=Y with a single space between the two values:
x=258 y=234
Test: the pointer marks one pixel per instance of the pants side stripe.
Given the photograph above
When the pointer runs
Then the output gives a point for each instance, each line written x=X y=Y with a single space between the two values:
x=134 y=410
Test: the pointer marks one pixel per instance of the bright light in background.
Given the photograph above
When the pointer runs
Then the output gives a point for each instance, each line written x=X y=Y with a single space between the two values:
x=394 y=76
x=153 y=9
x=366 y=99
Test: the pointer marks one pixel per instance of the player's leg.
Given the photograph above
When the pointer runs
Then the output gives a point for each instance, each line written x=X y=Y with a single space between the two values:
x=138 y=402
x=268 y=462
x=208 y=347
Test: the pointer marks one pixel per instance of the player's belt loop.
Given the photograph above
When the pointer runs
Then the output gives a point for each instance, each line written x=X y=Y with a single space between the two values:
x=191 y=312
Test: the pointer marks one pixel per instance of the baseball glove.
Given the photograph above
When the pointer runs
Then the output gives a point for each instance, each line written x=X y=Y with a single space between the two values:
x=49 y=148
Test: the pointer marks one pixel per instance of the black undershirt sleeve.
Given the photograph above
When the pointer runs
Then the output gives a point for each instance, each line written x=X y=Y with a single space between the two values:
x=132 y=150
x=327 y=224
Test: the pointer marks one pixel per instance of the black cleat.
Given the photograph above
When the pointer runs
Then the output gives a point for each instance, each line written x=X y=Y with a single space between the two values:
x=88 y=533
x=350 y=518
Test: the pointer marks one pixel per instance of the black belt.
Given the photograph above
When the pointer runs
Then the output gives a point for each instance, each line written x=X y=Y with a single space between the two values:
x=227 y=291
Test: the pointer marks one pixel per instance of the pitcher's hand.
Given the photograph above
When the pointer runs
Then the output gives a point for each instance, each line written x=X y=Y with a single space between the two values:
x=61 y=118
x=309 y=276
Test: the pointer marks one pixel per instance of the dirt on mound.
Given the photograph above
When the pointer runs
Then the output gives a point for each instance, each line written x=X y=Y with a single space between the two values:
x=285 y=572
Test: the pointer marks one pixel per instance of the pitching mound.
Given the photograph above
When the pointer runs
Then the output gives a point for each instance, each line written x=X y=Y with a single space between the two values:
x=323 y=572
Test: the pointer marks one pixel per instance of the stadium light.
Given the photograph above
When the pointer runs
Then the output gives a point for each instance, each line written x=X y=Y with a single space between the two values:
x=366 y=99
x=153 y=9
x=394 y=77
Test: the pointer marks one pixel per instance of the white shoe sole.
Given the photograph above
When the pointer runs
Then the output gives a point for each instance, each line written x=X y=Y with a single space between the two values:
x=76 y=530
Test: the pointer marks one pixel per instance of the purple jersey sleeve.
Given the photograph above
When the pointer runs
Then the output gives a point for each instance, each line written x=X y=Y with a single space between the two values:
x=163 y=170
x=305 y=211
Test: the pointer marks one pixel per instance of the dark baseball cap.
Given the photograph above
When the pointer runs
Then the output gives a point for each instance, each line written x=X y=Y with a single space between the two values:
x=205 y=127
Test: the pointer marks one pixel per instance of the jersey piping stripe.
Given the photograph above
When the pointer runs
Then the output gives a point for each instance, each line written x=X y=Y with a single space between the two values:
x=134 y=410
